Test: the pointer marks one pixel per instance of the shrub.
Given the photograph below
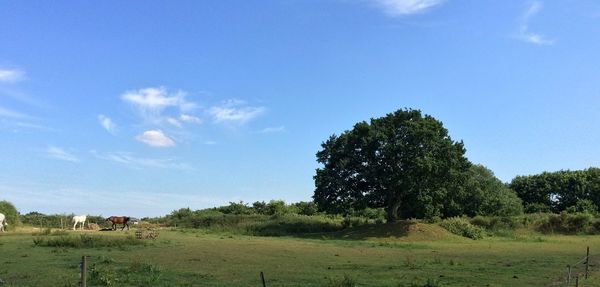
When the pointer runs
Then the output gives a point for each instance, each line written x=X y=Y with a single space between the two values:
x=502 y=226
x=347 y=281
x=236 y=208
x=353 y=221
x=306 y=208
x=370 y=213
x=11 y=213
x=567 y=223
x=260 y=207
x=461 y=226
x=537 y=207
x=583 y=206
x=276 y=207
x=293 y=224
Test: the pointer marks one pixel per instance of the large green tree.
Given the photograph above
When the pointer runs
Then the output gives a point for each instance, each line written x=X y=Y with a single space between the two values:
x=404 y=162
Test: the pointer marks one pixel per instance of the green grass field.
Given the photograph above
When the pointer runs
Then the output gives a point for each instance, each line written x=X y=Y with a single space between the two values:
x=385 y=255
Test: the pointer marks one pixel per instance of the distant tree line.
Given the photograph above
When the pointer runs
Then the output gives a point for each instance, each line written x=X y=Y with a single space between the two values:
x=565 y=190
x=38 y=219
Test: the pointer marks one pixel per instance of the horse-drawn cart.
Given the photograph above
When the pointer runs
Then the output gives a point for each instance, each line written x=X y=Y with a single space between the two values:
x=146 y=234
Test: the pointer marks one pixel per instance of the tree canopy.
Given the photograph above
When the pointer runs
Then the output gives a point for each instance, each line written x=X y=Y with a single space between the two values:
x=404 y=162
x=558 y=191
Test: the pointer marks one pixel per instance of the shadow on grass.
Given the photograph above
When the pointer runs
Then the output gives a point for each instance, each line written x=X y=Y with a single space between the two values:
x=367 y=231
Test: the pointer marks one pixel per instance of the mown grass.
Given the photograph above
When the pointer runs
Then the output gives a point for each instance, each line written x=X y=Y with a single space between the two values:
x=397 y=255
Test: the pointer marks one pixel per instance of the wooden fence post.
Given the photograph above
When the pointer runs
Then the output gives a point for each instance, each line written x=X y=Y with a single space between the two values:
x=577 y=280
x=262 y=278
x=568 y=275
x=587 y=262
x=83 y=271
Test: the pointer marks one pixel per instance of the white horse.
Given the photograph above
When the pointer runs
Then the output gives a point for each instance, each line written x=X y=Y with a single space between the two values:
x=79 y=219
x=3 y=222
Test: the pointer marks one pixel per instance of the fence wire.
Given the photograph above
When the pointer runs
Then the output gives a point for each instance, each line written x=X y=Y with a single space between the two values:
x=571 y=274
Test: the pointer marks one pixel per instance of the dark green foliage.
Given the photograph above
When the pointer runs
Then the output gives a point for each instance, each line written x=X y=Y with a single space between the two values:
x=568 y=223
x=236 y=208
x=404 y=162
x=461 y=226
x=487 y=195
x=497 y=223
x=277 y=207
x=558 y=190
x=377 y=214
x=11 y=213
x=260 y=207
x=537 y=207
x=306 y=208
x=583 y=206
x=85 y=241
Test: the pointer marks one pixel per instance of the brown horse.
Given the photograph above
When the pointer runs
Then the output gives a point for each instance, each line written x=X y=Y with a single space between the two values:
x=120 y=220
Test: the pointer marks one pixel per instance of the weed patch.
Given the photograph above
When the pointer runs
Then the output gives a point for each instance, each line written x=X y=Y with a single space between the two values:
x=85 y=241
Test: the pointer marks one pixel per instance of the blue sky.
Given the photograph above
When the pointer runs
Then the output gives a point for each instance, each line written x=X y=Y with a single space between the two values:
x=142 y=107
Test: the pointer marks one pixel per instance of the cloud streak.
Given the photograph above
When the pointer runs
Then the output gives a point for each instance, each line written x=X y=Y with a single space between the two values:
x=61 y=154
x=525 y=34
x=271 y=130
x=11 y=75
x=129 y=160
x=407 y=7
x=155 y=138
x=107 y=124
x=6 y=113
x=235 y=112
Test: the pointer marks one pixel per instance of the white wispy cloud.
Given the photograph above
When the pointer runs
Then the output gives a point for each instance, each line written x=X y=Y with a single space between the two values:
x=11 y=75
x=524 y=33
x=407 y=7
x=270 y=130
x=174 y=122
x=107 y=124
x=234 y=112
x=190 y=119
x=210 y=142
x=151 y=102
x=61 y=154
x=7 y=113
x=130 y=160
x=155 y=138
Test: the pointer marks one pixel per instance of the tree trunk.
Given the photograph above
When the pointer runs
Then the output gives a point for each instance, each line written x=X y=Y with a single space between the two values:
x=392 y=210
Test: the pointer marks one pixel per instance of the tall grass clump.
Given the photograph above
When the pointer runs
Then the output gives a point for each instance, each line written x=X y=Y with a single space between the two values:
x=461 y=226
x=347 y=281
